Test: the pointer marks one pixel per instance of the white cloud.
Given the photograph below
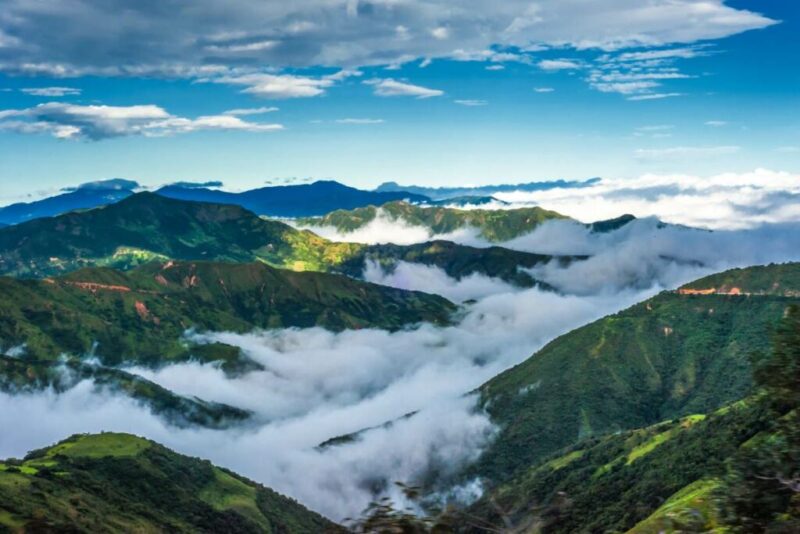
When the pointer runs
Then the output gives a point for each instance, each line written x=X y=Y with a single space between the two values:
x=391 y=87
x=558 y=64
x=716 y=124
x=722 y=201
x=642 y=253
x=440 y=33
x=51 y=91
x=360 y=121
x=471 y=102
x=494 y=67
x=279 y=86
x=250 y=111
x=669 y=53
x=624 y=88
x=417 y=277
x=685 y=152
x=96 y=122
x=317 y=385
x=654 y=96
x=543 y=89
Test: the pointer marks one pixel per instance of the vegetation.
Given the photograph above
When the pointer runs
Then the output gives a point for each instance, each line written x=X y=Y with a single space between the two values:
x=140 y=316
x=667 y=357
x=762 y=488
x=121 y=483
x=494 y=225
x=146 y=227
x=734 y=469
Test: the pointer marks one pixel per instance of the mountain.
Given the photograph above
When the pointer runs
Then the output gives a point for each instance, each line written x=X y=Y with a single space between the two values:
x=147 y=227
x=730 y=469
x=85 y=196
x=121 y=483
x=662 y=478
x=679 y=353
x=140 y=316
x=494 y=225
x=442 y=193
x=304 y=200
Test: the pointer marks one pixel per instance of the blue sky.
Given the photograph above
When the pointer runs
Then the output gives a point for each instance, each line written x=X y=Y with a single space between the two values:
x=509 y=94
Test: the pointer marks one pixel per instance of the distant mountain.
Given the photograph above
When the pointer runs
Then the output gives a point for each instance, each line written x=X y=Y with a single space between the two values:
x=494 y=225
x=139 y=317
x=85 y=196
x=303 y=200
x=681 y=352
x=147 y=227
x=441 y=193
x=121 y=483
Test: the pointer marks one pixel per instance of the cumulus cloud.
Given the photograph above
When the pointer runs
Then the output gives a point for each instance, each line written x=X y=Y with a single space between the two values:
x=558 y=64
x=391 y=87
x=51 y=91
x=163 y=37
x=278 y=86
x=96 y=122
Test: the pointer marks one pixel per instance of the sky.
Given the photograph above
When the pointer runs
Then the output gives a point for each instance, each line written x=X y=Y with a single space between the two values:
x=430 y=93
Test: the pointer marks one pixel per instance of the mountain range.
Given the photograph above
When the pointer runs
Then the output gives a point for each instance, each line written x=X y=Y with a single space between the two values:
x=146 y=227
x=302 y=200
x=441 y=193
x=633 y=422
x=493 y=225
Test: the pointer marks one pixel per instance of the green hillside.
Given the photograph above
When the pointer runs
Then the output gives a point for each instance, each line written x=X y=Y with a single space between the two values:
x=140 y=316
x=777 y=279
x=121 y=483
x=494 y=225
x=147 y=227
x=672 y=355
x=733 y=469
x=661 y=478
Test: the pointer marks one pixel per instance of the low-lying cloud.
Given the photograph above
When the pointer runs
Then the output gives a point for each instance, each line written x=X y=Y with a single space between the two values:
x=722 y=201
x=318 y=385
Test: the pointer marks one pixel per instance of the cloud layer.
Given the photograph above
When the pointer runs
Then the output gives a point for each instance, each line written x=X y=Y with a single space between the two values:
x=170 y=39
x=722 y=201
x=318 y=385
